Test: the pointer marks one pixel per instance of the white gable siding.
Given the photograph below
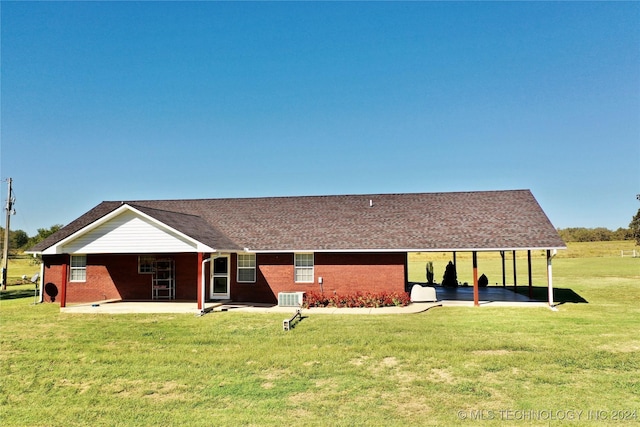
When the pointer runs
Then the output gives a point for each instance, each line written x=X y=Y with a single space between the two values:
x=128 y=233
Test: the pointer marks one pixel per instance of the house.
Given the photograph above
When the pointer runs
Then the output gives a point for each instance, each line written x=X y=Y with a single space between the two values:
x=253 y=249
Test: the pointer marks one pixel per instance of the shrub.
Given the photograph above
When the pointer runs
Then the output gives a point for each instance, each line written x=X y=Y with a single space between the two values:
x=429 y=268
x=450 y=278
x=483 y=281
x=357 y=299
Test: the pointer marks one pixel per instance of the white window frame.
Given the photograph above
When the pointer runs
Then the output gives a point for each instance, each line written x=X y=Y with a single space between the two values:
x=146 y=267
x=246 y=262
x=78 y=268
x=301 y=268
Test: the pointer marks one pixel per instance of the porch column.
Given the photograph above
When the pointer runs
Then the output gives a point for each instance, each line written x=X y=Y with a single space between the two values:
x=504 y=277
x=530 y=284
x=200 y=281
x=515 y=275
x=550 y=277
x=63 y=283
x=41 y=297
x=476 y=298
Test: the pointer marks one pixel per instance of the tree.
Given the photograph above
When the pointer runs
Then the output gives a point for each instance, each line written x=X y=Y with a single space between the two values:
x=43 y=233
x=18 y=238
x=634 y=226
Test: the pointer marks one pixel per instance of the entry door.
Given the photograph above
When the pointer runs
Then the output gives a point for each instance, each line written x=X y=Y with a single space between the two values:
x=220 y=277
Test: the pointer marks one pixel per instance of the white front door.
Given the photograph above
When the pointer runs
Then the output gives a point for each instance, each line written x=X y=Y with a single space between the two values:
x=219 y=288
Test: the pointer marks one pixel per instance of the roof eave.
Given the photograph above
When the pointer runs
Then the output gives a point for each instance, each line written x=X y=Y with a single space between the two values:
x=372 y=250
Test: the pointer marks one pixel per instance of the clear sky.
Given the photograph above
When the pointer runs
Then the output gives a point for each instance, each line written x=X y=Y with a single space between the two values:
x=169 y=100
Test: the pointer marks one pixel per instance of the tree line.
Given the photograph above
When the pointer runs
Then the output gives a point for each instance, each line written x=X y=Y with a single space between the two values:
x=597 y=234
x=601 y=234
x=20 y=241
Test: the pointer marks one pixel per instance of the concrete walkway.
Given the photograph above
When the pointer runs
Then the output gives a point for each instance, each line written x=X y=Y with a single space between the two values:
x=491 y=296
x=132 y=307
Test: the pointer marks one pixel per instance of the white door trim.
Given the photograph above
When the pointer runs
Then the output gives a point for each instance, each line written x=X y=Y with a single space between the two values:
x=219 y=275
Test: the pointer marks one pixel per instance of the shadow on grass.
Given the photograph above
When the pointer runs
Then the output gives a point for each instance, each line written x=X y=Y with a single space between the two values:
x=16 y=293
x=560 y=295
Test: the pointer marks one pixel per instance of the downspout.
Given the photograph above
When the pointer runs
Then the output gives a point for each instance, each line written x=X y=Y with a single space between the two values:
x=550 y=255
x=41 y=296
x=203 y=286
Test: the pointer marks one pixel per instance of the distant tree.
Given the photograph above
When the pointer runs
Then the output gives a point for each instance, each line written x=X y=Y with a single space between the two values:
x=43 y=233
x=634 y=226
x=598 y=234
x=18 y=239
x=601 y=234
x=622 y=234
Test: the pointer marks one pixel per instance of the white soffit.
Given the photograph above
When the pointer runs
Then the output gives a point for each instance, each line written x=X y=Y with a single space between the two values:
x=127 y=230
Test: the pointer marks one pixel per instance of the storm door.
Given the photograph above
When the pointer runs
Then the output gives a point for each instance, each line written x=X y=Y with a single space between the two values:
x=220 y=277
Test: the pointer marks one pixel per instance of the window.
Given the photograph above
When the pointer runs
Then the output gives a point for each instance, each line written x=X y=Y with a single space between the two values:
x=303 y=268
x=78 y=268
x=246 y=268
x=145 y=264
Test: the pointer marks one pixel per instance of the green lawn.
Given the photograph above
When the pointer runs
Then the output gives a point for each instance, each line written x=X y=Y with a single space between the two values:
x=433 y=368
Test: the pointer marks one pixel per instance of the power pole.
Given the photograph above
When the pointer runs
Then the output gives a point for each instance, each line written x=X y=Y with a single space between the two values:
x=5 y=252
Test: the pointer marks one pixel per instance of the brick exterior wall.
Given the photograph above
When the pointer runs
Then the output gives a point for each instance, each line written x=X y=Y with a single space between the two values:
x=52 y=277
x=341 y=273
x=117 y=277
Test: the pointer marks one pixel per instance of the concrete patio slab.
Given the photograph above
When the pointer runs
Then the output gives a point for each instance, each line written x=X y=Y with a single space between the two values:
x=492 y=296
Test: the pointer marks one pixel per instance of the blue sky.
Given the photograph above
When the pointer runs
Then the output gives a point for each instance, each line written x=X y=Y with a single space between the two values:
x=169 y=100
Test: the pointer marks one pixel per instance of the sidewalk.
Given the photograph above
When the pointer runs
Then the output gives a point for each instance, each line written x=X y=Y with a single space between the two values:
x=410 y=309
x=132 y=307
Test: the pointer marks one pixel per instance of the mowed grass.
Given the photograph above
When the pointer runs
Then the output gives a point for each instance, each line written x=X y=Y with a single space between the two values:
x=432 y=368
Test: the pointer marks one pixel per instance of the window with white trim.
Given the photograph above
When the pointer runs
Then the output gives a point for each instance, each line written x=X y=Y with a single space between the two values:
x=246 y=268
x=303 y=266
x=78 y=272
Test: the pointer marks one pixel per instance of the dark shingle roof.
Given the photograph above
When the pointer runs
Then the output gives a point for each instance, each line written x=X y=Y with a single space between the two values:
x=483 y=220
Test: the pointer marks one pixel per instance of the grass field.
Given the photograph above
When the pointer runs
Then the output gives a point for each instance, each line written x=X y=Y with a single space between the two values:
x=447 y=366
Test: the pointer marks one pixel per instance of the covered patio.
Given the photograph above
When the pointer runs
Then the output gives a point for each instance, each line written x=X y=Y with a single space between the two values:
x=486 y=295
x=492 y=296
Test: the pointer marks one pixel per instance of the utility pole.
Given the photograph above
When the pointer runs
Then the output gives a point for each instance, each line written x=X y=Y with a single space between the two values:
x=5 y=248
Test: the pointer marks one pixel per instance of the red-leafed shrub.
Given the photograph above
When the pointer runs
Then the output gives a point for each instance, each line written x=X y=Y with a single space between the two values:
x=358 y=299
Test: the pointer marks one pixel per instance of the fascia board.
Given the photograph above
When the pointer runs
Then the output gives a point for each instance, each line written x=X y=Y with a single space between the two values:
x=273 y=251
x=57 y=248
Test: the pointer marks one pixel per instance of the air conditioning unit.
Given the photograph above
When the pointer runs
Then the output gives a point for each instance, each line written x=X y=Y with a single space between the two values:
x=290 y=299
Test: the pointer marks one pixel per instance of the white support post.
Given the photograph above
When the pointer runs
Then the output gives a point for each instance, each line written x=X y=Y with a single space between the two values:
x=550 y=256
x=203 y=287
x=41 y=296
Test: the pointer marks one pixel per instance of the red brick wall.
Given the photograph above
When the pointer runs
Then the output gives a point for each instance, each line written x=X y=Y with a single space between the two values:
x=52 y=278
x=117 y=277
x=341 y=273
x=363 y=272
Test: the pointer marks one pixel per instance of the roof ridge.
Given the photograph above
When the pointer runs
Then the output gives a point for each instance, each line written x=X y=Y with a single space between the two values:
x=142 y=207
x=132 y=202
